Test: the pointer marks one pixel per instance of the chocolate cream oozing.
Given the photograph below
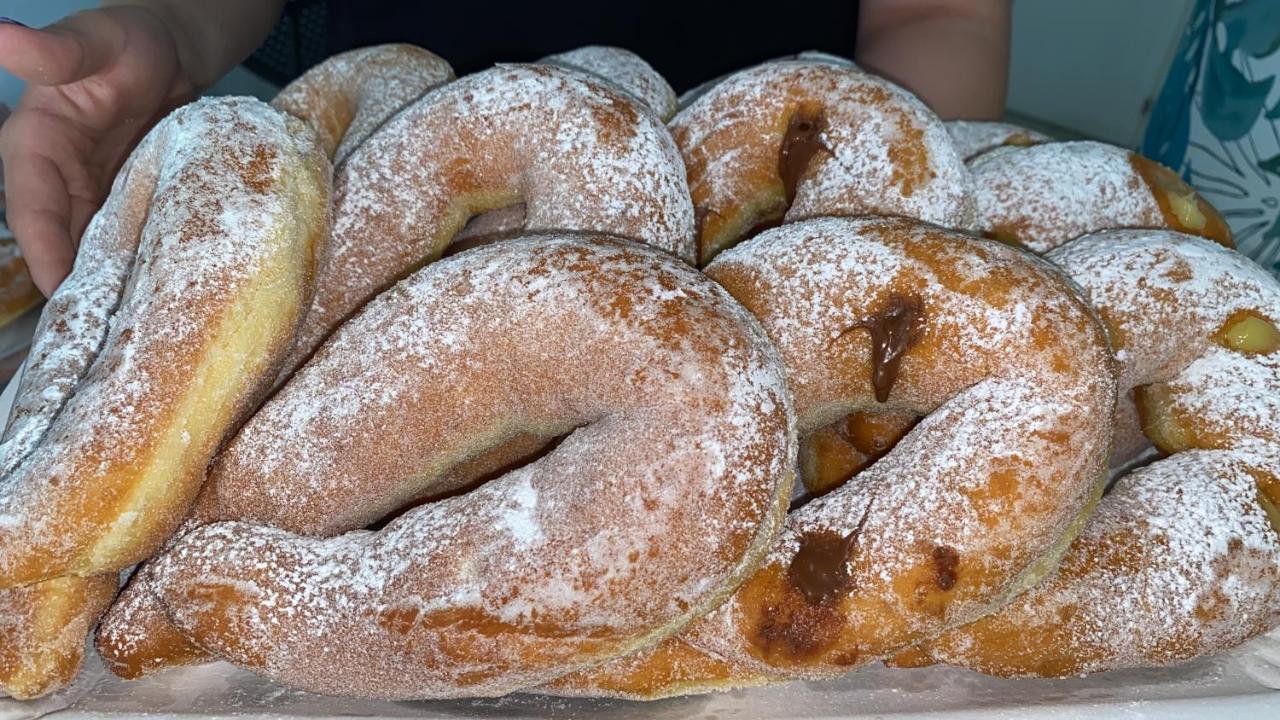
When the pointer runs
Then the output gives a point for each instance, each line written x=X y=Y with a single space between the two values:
x=894 y=330
x=800 y=143
x=820 y=567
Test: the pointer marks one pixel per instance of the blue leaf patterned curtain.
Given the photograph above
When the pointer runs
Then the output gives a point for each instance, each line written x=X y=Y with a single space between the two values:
x=1217 y=118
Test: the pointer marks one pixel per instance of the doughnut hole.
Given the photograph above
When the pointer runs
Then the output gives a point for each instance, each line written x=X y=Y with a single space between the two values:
x=1183 y=208
x=495 y=225
x=831 y=455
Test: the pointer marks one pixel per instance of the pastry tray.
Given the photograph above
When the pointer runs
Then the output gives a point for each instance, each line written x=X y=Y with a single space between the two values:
x=1231 y=687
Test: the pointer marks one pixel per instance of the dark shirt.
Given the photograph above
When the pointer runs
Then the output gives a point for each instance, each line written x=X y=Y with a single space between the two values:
x=688 y=41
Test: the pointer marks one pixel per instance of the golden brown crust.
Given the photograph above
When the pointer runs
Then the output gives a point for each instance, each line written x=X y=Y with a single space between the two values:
x=1182 y=559
x=1011 y=371
x=42 y=631
x=807 y=138
x=349 y=95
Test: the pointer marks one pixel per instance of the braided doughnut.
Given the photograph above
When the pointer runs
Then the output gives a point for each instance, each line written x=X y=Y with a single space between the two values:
x=1182 y=558
x=1044 y=195
x=792 y=139
x=350 y=95
x=679 y=426
x=569 y=151
x=186 y=291
x=974 y=137
x=1011 y=373
x=625 y=69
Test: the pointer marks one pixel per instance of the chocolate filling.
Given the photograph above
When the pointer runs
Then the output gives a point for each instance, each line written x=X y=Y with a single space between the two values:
x=895 y=329
x=820 y=567
x=801 y=142
x=945 y=563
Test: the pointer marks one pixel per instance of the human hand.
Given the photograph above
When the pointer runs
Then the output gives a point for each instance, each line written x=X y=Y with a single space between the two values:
x=96 y=82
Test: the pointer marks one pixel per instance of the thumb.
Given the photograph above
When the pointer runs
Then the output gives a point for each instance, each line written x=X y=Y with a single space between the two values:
x=69 y=50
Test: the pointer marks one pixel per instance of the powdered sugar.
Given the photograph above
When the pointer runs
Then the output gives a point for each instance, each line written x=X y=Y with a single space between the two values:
x=579 y=154
x=1047 y=194
x=972 y=138
x=626 y=70
x=679 y=434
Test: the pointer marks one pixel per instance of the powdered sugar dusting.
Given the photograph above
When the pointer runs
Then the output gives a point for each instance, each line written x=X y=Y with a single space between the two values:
x=579 y=154
x=626 y=70
x=348 y=96
x=1002 y=405
x=189 y=222
x=1180 y=560
x=1047 y=194
x=973 y=137
x=679 y=434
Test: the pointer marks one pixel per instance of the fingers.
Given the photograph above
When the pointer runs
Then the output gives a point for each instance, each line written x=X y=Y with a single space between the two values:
x=69 y=50
x=39 y=213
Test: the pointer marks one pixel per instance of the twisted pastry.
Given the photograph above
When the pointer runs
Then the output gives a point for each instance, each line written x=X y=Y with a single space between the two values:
x=1045 y=195
x=1182 y=558
x=350 y=95
x=577 y=153
x=1010 y=373
x=186 y=291
x=565 y=150
x=665 y=432
x=793 y=139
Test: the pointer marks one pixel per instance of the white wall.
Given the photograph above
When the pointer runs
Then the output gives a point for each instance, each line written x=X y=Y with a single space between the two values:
x=1092 y=67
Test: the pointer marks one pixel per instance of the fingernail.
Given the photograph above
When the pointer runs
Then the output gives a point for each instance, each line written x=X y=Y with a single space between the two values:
x=11 y=21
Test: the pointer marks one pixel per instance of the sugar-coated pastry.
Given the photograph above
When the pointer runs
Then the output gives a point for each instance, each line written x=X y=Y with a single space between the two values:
x=1009 y=372
x=673 y=448
x=185 y=295
x=974 y=137
x=625 y=69
x=565 y=150
x=1182 y=558
x=1045 y=195
x=348 y=96
x=793 y=139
